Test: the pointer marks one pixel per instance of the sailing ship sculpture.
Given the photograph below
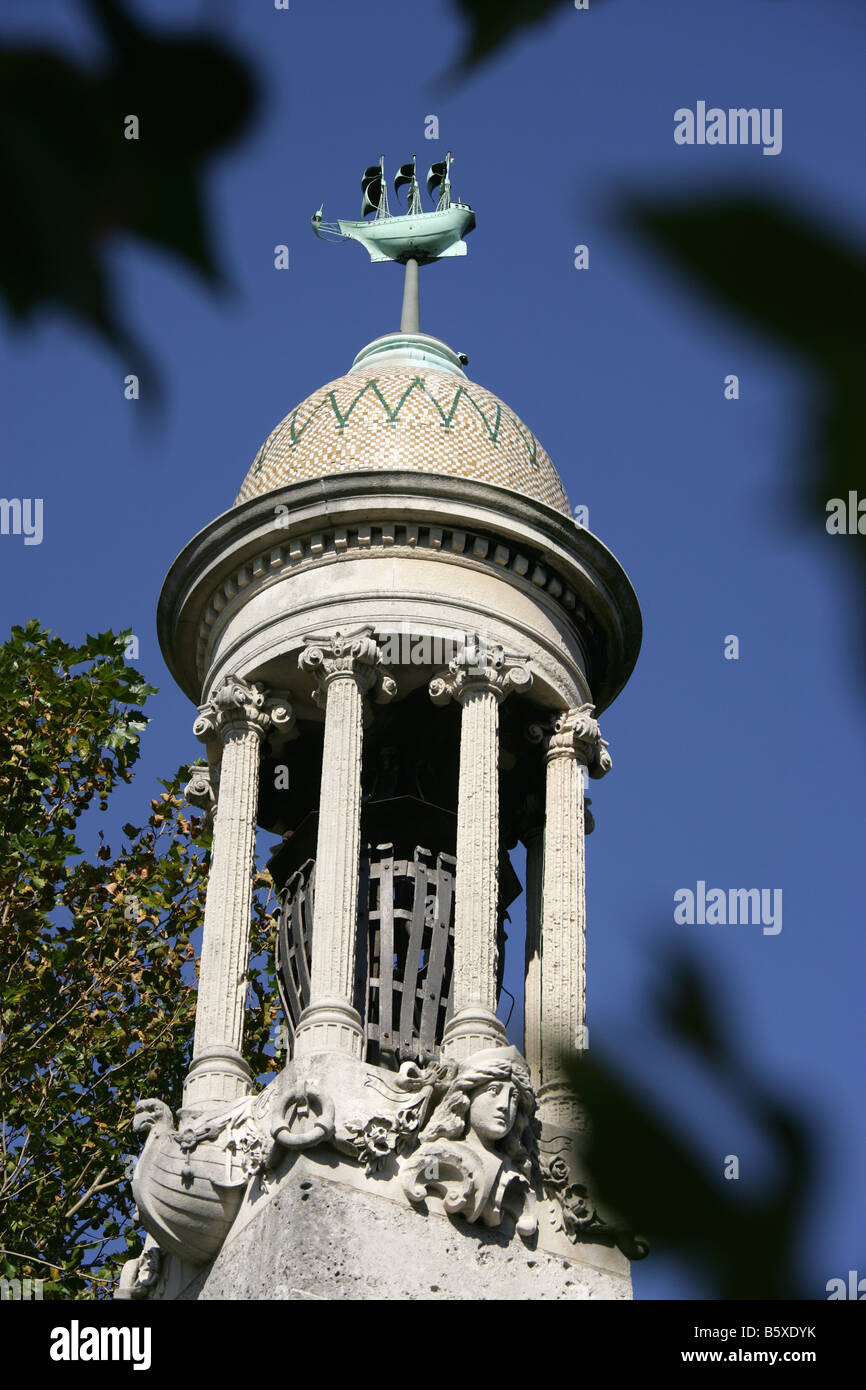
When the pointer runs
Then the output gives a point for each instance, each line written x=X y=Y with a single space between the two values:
x=414 y=235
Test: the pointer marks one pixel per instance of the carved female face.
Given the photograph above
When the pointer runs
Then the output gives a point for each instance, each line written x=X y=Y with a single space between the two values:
x=493 y=1110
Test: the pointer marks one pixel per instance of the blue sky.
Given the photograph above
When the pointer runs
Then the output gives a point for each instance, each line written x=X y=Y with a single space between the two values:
x=742 y=773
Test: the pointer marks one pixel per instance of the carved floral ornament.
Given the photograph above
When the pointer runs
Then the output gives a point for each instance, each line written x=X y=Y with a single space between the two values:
x=574 y=734
x=480 y=668
x=352 y=655
x=200 y=790
x=575 y=1212
x=238 y=706
x=465 y=1134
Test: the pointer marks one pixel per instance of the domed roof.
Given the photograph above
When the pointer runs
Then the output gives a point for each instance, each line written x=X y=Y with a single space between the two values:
x=406 y=404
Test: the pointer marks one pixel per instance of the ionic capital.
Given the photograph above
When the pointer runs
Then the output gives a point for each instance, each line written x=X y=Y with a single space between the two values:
x=475 y=668
x=576 y=734
x=347 y=655
x=238 y=706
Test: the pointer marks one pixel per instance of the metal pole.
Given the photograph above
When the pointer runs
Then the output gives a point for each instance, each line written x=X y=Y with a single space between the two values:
x=410 y=319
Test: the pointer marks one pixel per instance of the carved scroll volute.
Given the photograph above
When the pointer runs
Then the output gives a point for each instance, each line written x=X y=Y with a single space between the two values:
x=201 y=789
x=576 y=733
x=480 y=668
x=352 y=655
x=239 y=706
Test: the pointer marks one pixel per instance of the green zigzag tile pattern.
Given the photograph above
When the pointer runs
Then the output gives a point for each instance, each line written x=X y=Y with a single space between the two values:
x=399 y=419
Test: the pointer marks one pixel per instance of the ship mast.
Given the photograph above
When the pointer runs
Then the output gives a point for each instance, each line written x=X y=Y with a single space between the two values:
x=406 y=175
x=384 y=210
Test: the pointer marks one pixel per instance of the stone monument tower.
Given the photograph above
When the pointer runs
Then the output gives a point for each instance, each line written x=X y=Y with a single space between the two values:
x=398 y=641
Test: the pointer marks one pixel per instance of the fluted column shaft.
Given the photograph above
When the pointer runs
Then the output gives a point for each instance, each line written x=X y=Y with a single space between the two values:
x=534 y=841
x=345 y=669
x=575 y=749
x=478 y=684
x=475 y=908
x=239 y=716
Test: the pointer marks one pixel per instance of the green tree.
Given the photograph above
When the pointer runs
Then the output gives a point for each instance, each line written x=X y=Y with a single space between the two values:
x=97 y=964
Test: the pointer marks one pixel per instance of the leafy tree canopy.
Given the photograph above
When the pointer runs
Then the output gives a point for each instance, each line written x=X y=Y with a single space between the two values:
x=97 y=963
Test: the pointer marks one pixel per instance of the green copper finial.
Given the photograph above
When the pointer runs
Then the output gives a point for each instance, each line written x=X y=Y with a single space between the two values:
x=412 y=238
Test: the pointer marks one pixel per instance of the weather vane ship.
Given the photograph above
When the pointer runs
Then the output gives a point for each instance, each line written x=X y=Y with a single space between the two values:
x=411 y=236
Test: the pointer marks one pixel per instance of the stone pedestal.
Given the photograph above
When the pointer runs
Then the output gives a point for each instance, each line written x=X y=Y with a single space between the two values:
x=335 y=1213
x=320 y=1238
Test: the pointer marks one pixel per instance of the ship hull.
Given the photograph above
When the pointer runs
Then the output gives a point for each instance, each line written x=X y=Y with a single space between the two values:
x=417 y=236
x=187 y=1206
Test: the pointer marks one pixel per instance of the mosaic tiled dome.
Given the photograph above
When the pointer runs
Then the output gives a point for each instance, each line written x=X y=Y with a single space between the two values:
x=401 y=409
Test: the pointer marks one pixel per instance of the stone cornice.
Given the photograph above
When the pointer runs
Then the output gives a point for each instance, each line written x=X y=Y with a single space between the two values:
x=442 y=518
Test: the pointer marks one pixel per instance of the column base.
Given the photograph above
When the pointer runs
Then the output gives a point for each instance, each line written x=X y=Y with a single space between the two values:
x=219 y=1073
x=559 y=1107
x=472 y=1029
x=330 y=1025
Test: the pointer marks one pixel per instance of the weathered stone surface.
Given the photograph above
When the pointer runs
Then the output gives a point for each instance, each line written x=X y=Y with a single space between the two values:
x=344 y=668
x=239 y=716
x=320 y=1239
x=478 y=686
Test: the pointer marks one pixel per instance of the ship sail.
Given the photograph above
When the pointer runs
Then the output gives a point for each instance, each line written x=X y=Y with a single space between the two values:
x=436 y=175
x=372 y=189
x=405 y=174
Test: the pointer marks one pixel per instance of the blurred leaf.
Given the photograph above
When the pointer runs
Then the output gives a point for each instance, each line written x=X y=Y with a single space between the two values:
x=793 y=279
x=644 y=1167
x=72 y=181
x=493 y=23
x=688 y=1010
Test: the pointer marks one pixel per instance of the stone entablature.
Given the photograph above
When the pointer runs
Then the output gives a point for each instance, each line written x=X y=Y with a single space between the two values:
x=561 y=569
x=442 y=543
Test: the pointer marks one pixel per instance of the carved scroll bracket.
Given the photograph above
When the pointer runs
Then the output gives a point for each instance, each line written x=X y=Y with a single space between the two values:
x=202 y=788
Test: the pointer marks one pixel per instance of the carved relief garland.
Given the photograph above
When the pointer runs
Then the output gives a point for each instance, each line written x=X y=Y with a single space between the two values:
x=464 y=1133
x=576 y=1212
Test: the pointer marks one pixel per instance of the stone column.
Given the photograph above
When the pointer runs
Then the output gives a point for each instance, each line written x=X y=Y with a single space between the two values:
x=345 y=669
x=239 y=717
x=574 y=749
x=533 y=838
x=478 y=680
